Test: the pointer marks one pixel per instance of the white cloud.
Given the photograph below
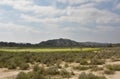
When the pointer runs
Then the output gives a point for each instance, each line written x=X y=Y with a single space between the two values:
x=15 y=28
x=30 y=6
x=81 y=1
x=17 y=4
x=81 y=15
x=117 y=6
x=105 y=29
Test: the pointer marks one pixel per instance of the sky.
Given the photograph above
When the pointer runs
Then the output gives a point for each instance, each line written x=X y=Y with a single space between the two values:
x=33 y=21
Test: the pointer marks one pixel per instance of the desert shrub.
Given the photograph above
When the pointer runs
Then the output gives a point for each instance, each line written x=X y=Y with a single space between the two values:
x=115 y=58
x=41 y=70
x=1 y=65
x=11 y=65
x=83 y=76
x=22 y=75
x=38 y=75
x=109 y=72
x=81 y=67
x=65 y=74
x=90 y=76
x=96 y=61
x=36 y=68
x=95 y=68
x=58 y=65
x=115 y=67
x=52 y=71
x=70 y=59
x=30 y=75
x=77 y=60
x=66 y=65
x=83 y=62
x=24 y=66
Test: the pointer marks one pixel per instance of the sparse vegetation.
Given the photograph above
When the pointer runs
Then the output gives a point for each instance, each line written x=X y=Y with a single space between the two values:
x=95 y=68
x=115 y=67
x=90 y=76
x=109 y=72
x=96 y=61
x=81 y=67
x=49 y=65
x=65 y=74
x=22 y=75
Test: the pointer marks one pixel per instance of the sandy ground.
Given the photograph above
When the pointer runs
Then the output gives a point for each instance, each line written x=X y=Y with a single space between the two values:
x=11 y=74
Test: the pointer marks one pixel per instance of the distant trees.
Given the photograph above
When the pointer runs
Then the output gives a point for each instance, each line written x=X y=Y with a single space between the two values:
x=13 y=44
x=58 y=43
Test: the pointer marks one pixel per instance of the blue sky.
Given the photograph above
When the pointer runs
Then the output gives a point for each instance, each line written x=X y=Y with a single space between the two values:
x=81 y=20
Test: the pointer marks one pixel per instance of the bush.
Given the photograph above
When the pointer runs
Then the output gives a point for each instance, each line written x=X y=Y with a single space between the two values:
x=115 y=58
x=83 y=62
x=36 y=68
x=115 y=67
x=38 y=75
x=24 y=66
x=41 y=70
x=95 y=68
x=30 y=75
x=90 y=76
x=11 y=65
x=81 y=67
x=83 y=76
x=96 y=61
x=22 y=75
x=65 y=74
x=66 y=65
x=52 y=71
x=109 y=72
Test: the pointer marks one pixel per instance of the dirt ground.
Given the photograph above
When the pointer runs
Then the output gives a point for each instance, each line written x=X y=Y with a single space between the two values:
x=11 y=74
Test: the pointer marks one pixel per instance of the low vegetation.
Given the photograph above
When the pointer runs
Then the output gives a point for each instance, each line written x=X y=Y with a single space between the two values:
x=90 y=76
x=115 y=67
x=109 y=72
x=47 y=65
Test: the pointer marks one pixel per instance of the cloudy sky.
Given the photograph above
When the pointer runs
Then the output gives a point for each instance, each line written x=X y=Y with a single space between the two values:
x=81 y=20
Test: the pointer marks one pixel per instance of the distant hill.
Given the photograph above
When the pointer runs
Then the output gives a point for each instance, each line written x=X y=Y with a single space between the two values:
x=70 y=43
x=57 y=43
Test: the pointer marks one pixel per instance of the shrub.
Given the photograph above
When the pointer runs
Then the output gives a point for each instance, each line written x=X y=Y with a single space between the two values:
x=36 y=68
x=65 y=74
x=115 y=67
x=22 y=75
x=90 y=76
x=83 y=76
x=38 y=75
x=24 y=66
x=115 y=58
x=11 y=65
x=96 y=61
x=81 y=67
x=66 y=65
x=109 y=72
x=30 y=75
x=52 y=71
x=83 y=62
x=95 y=68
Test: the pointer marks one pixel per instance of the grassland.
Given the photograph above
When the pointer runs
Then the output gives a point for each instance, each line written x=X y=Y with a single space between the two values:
x=47 y=49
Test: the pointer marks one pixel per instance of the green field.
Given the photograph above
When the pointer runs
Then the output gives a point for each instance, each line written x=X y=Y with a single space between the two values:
x=47 y=49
